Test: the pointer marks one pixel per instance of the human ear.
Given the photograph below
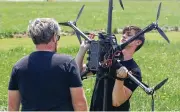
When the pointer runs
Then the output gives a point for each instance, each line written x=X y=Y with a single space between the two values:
x=138 y=42
x=53 y=39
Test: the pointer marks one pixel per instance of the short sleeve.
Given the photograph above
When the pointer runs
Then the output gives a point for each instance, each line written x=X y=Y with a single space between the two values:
x=13 y=82
x=131 y=84
x=74 y=75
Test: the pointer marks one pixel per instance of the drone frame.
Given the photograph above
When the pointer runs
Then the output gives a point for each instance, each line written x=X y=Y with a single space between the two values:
x=152 y=26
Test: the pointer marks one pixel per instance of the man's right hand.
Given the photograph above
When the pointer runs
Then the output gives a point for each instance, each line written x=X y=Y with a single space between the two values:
x=122 y=72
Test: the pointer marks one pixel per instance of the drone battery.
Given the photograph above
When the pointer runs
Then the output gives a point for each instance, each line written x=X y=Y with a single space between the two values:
x=93 y=59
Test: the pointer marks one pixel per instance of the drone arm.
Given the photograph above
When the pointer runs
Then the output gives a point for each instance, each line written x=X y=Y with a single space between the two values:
x=146 y=29
x=79 y=31
x=147 y=90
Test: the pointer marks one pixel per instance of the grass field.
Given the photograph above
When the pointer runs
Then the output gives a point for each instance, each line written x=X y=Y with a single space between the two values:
x=157 y=59
x=15 y=16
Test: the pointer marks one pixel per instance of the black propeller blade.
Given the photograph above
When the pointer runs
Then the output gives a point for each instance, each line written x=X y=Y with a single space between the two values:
x=163 y=34
x=64 y=24
x=67 y=24
x=158 y=13
x=79 y=14
x=155 y=89
x=152 y=103
x=157 y=27
x=120 y=1
x=79 y=37
x=160 y=84
x=87 y=33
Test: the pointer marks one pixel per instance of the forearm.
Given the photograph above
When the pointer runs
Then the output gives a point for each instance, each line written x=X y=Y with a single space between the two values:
x=14 y=108
x=79 y=59
x=79 y=101
x=119 y=95
x=13 y=100
x=81 y=106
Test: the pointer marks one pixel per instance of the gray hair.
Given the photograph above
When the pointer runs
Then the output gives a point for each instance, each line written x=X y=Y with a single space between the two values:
x=41 y=30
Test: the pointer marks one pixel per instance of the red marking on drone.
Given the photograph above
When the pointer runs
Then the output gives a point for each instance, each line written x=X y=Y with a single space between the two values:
x=109 y=62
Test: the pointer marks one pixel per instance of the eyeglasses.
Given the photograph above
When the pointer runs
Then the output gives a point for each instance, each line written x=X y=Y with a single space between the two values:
x=58 y=37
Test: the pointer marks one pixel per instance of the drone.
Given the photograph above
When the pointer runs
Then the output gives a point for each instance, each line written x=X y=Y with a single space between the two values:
x=107 y=45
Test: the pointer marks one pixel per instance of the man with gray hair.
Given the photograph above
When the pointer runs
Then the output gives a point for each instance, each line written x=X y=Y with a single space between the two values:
x=45 y=80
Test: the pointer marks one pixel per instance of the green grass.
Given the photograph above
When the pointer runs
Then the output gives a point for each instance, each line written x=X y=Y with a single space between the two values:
x=6 y=44
x=15 y=16
x=157 y=59
x=71 y=41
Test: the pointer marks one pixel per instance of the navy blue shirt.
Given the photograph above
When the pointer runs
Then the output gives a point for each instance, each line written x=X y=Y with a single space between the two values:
x=98 y=93
x=44 y=80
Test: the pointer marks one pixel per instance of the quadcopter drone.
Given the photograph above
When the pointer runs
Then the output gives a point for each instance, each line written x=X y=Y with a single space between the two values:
x=102 y=52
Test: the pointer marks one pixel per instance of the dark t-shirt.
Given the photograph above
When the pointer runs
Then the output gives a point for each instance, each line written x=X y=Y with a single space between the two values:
x=44 y=80
x=98 y=93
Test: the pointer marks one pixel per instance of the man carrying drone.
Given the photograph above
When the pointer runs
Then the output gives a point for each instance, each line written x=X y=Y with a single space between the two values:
x=104 y=58
x=119 y=91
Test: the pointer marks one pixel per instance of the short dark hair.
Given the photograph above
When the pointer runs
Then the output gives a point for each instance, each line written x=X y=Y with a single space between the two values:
x=137 y=30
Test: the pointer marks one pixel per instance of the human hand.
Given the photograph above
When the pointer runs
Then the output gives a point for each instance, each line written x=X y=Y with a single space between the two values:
x=91 y=35
x=122 y=72
x=84 y=46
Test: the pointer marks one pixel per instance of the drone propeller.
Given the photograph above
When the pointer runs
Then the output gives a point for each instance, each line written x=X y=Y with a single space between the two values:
x=77 y=33
x=157 y=27
x=79 y=14
x=153 y=26
x=69 y=23
x=79 y=37
x=163 y=34
x=158 y=86
x=158 y=13
x=64 y=24
x=120 y=1
x=87 y=33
